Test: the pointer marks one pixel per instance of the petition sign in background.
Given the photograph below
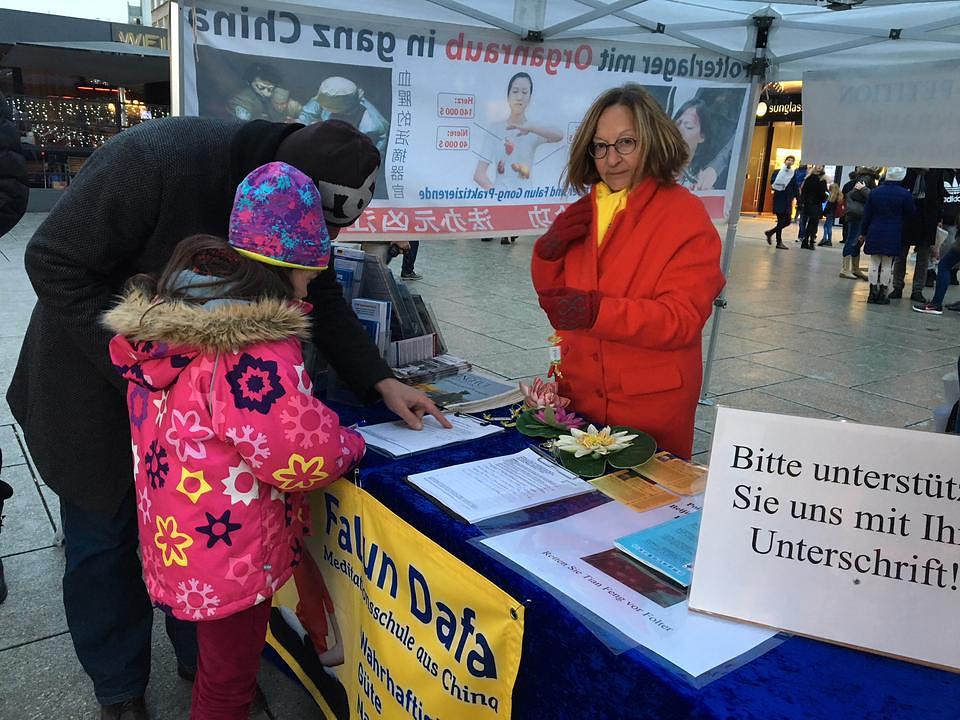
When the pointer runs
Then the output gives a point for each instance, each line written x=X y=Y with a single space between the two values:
x=457 y=157
x=841 y=531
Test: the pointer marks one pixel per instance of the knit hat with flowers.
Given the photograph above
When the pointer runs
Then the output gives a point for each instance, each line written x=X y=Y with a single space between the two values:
x=277 y=218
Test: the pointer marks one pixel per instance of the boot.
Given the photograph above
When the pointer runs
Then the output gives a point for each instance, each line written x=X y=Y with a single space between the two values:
x=5 y=492
x=953 y=277
x=882 y=298
x=931 y=280
x=895 y=294
x=803 y=243
x=872 y=297
x=855 y=267
x=847 y=271
x=825 y=243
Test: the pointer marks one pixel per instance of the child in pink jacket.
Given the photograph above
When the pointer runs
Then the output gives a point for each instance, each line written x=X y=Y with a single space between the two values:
x=227 y=437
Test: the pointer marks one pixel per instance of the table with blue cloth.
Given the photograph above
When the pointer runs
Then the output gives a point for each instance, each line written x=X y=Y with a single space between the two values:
x=567 y=672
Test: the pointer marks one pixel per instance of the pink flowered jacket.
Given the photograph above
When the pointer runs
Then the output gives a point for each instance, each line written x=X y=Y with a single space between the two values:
x=226 y=440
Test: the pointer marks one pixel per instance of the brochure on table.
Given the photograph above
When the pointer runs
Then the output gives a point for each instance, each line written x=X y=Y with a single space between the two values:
x=577 y=558
x=483 y=489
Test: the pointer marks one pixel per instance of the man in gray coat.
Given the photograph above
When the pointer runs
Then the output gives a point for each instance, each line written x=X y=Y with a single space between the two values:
x=134 y=200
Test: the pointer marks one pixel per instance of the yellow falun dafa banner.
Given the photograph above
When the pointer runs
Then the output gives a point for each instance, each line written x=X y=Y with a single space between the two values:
x=381 y=622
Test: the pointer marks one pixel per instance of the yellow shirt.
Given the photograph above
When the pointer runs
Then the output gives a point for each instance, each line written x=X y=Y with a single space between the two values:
x=608 y=204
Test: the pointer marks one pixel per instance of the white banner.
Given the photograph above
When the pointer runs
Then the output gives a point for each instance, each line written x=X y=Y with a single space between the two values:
x=891 y=115
x=840 y=531
x=473 y=125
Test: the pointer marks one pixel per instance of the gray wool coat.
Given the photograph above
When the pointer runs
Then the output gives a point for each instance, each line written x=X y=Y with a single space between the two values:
x=135 y=199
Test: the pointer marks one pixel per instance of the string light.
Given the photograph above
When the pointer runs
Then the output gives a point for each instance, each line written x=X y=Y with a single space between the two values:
x=76 y=123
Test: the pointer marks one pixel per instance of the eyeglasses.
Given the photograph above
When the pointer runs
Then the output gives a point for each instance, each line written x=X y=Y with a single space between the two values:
x=623 y=146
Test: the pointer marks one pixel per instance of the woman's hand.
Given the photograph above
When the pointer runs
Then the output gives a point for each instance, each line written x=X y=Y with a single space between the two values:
x=571 y=309
x=572 y=225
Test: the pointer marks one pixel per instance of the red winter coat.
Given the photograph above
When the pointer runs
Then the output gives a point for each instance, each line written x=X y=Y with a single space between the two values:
x=658 y=270
x=227 y=437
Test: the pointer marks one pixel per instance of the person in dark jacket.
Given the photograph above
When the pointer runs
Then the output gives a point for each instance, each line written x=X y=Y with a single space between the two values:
x=855 y=193
x=812 y=194
x=886 y=211
x=784 y=185
x=136 y=197
x=13 y=172
x=920 y=229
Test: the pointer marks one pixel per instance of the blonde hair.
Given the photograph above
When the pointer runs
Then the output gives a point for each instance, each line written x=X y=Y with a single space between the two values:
x=834 y=193
x=663 y=151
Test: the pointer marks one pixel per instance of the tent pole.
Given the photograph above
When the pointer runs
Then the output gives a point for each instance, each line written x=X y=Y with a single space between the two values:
x=757 y=76
x=176 y=58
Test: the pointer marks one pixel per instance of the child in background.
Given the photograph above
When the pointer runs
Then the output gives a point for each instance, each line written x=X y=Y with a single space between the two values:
x=227 y=436
x=830 y=212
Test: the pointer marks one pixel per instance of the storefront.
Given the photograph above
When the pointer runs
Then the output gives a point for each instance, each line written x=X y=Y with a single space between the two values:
x=73 y=84
x=778 y=132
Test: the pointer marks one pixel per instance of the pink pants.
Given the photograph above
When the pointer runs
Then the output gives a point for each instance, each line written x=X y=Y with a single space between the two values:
x=228 y=662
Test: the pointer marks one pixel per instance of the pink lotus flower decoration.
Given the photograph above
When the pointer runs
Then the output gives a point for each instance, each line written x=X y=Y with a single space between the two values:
x=542 y=395
x=560 y=417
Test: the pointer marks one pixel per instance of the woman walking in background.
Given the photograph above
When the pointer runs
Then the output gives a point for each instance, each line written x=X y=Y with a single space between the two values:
x=829 y=213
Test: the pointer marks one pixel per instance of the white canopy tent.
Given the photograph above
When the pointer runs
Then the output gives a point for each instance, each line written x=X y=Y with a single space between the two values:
x=778 y=41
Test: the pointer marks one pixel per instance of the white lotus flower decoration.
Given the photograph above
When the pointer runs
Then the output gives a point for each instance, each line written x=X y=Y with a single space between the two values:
x=594 y=442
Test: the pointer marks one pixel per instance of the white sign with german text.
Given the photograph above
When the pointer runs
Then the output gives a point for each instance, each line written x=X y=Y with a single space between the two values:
x=840 y=531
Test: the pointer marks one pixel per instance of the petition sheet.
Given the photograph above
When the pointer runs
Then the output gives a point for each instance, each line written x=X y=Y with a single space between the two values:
x=576 y=556
x=487 y=488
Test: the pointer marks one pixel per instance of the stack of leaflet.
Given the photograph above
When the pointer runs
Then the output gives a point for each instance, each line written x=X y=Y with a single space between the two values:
x=470 y=392
x=374 y=315
x=348 y=261
x=431 y=369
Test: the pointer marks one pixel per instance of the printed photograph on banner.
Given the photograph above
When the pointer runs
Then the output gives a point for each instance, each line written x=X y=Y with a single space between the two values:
x=708 y=122
x=308 y=630
x=249 y=87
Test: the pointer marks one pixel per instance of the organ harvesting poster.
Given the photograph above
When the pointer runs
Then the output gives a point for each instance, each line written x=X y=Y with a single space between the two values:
x=473 y=125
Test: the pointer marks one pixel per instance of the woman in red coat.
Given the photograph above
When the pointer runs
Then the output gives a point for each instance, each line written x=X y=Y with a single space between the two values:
x=627 y=275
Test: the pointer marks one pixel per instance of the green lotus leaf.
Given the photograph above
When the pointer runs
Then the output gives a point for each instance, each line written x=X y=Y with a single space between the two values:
x=641 y=449
x=587 y=466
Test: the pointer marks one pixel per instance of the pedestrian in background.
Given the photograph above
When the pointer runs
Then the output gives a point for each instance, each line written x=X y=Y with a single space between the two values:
x=812 y=194
x=13 y=171
x=920 y=229
x=855 y=194
x=784 y=184
x=829 y=213
x=886 y=211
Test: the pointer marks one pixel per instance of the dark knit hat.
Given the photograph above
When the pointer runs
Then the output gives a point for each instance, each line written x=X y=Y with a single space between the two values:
x=341 y=160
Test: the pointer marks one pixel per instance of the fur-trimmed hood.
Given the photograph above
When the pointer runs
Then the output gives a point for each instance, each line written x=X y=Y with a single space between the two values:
x=156 y=341
x=223 y=326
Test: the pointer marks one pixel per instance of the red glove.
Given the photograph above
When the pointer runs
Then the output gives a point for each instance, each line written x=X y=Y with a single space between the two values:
x=569 y=309
x=572 y=225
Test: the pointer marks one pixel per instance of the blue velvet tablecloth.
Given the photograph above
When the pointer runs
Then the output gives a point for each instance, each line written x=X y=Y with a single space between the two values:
x=566 y=672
